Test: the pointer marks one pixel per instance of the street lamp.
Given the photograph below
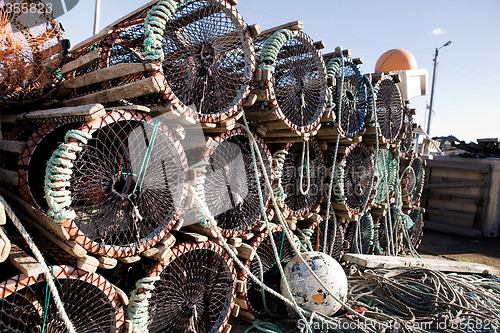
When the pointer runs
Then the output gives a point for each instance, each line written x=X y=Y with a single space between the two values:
x=433 y=83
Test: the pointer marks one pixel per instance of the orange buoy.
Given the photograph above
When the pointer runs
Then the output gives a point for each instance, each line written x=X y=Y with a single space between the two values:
x=395 y=60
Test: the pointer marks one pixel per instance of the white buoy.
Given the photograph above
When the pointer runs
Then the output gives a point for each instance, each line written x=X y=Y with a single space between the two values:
x=307 y=291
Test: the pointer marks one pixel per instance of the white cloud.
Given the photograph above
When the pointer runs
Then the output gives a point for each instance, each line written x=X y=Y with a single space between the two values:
x=438 y=31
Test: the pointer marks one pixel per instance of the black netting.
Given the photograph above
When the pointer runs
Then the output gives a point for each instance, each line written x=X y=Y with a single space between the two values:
x=128 y=185
x=231 y=187
x=128 y=46
x=353 y=101
x=359 y=236
x=317 y=238
x=26 y=304
x=194 y=293
x=415 y=177
x=300 y=81
x=358 y=175
x=389 y=108
x=270 y=273
x=406 y=134
x=313 y=168
x=416 y=231
x=208 y=57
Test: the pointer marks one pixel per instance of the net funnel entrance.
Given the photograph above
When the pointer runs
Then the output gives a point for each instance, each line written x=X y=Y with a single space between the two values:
x=207 y=56
x=30 y=50
x=302 y=177
x=349 y=95
x=230 y=184
x=355 y=172
x=127 y=186
x=194 y=292
x=389 y=108
x=270 y=272
x=91 y=302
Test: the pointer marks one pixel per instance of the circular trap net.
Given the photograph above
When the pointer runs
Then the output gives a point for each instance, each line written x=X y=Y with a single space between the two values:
x=91 y=302
x=414 y=175
x=349 y=95
x=298 y=87
x=302 y=176
x=359 y=235
x=118 y=183
x=416 y=231
x=389 y=108
x=354 y=178
x=230 y=185
x=264 y=267
x=192 y=292
x=207 y=56
x=406 y=134
x=30 y=49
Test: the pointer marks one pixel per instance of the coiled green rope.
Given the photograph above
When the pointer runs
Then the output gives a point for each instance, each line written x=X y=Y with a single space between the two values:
x=138 y=312
x=57 y=176
x=272 y=47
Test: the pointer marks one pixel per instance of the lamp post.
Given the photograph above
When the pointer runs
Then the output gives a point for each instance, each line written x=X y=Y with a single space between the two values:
x=433 y=83
x=97 y=16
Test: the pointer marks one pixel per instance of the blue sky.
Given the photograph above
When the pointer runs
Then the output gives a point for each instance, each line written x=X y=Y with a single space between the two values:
x=467 y=89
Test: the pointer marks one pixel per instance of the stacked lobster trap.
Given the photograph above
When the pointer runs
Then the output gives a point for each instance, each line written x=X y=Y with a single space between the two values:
x=167 y=166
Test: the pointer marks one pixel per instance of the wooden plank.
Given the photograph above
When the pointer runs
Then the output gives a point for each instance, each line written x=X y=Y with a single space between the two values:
x=443 y=265
x=163 y=254
x=79 y=62
x=210 y=232
x=143 y=87
x=460 y=215
x=260 y=116
x=246 y=252
x=5 y=246
x=3 y=217
x=88 y=264
x=91 y=40
x=11 y=146
x=169 y=240
x=459 y=164
x=452 y=229
x=109 y=73
x=36 y=214
x=9 y=177
x=456 y=197
x=294 y=26
x=130 y=260
x=471 y=183
x=107 y=263
x=140 y=108
x=89 y=111
x=24 y=262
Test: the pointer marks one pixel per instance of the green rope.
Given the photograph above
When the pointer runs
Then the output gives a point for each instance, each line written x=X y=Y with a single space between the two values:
x=264 y=326
x=272 y=47
x=154 y=26
x=47 y=300
x=138 y=312
x=146 y=158
x=58 y=173
x=338 y=188
x=279 y=160
x=332 y=69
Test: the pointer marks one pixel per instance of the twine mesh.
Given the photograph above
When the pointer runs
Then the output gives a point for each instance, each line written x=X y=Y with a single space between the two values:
x=359 y=235
x=195 y=291
x=300 y=82
x=127 y=185
x=208 y=58
x=389 y=108
x=415 y=178
x=406 y=134
x=313 y=167
x=270 y=273
x=416 y=231
x=230 y=185
x=353 y=99
x=318 y=236
x=91 y=302
x=30 y=50
x=358 y=174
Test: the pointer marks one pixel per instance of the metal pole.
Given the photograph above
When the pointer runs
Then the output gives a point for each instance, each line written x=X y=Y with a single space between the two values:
x=432 y=90
x=97 y=16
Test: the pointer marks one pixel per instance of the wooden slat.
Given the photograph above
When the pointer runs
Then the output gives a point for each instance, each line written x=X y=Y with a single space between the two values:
x=91 y=40
x=109 y=73
x=471 y=183
x=3 y=217
x=11 y=146
x=9 y=177
x=107 y=263
x=79 y=62
x=460 y=165
x=143 y=87
x=451 y=213
x=88 y=111
x=39 y=216
x=88 y=264
x=294 y=26
x=452 y=229
x=24 y=262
